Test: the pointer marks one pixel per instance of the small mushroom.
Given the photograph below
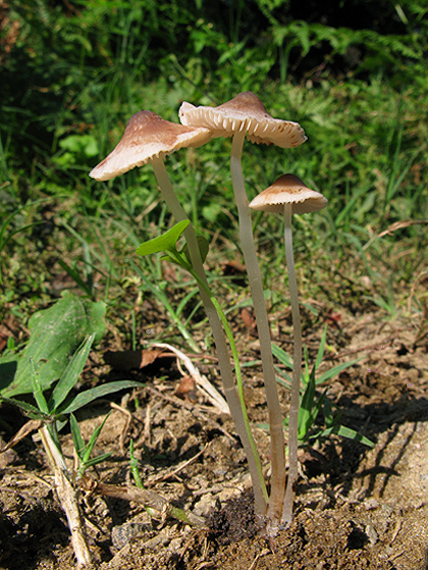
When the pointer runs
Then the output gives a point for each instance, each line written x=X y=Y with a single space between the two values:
x=288 y=194
x=289 y=191
x=246 y=114
x=148 y=138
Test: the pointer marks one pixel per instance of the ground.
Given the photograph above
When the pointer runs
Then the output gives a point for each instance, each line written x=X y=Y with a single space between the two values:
x=356 y=508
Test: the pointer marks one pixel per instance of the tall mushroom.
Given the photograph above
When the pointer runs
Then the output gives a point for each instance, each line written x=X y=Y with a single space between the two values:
x=244 y=115
x=148 y=138
x=290 y=196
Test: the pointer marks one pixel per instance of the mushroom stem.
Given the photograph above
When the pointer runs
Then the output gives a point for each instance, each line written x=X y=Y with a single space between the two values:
x=232 y=398
x=255 y=279
x=293 y=415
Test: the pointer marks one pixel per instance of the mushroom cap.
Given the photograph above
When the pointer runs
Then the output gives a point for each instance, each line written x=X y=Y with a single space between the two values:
x=289 y=189
x=147 y=136
x=245 y=112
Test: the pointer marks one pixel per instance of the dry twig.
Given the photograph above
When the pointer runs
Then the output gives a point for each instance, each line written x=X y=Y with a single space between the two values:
x=201 y=381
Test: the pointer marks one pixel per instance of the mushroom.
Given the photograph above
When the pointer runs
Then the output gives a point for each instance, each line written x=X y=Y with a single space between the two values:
x=246 y=114
x=289 y=195
x=148 y=138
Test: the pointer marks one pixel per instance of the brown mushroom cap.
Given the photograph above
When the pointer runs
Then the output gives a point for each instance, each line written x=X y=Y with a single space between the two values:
x=147 y=136
x=245 y=112
x=289 y=189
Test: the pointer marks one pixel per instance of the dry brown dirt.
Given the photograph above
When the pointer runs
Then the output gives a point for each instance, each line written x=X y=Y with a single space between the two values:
x=356 y=508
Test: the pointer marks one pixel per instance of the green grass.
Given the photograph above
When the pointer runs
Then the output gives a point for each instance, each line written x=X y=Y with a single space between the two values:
x=371 y=170
x=367 y=152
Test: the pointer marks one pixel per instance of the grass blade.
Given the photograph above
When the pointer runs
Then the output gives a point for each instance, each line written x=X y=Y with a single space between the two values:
x=71 y=374
x=85 y=398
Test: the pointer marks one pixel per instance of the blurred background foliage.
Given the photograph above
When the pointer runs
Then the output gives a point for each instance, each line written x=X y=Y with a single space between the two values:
x=352 y=72
x=60 y=58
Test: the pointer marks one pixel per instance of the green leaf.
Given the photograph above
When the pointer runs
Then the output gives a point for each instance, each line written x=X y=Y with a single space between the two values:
x=56 y=333
x=133 y=463
x=88 y=396
x=204 y=247
x=78 y=442
x=75 y=275
x=310 y=407
x=37 y=389
x=282 y=356
x=170 y=259
x=337 y=370
x=344 y=431
x=71 y=374
x=86 y=145
x=91 y=444
x=329 y=418
x=321 y=348
x=29 y=410
x=98 y=459
x=165 y=242
x=306 y=419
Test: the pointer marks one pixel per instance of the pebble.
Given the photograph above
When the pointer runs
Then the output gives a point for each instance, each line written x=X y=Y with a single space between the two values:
x=123 y=534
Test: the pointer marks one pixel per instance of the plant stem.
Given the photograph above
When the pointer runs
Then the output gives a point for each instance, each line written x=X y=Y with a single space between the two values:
x=149 y=499
x=287 y=514
x=67 y=498
x=226 y=372
x=239 y=382
x=255 y=279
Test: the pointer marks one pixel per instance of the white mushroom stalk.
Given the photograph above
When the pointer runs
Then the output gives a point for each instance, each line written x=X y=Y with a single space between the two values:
x=245 y=115
x=293 y=414
x=148 y=138
x=257 y=293
x=288 y=194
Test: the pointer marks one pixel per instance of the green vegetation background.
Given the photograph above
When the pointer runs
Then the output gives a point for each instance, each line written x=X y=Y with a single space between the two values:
x=352 y=73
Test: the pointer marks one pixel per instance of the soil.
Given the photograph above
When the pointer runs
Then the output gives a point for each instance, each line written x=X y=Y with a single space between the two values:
x=356 y=507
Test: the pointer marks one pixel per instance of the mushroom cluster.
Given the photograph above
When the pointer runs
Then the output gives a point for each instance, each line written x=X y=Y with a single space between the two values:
x=148 y=138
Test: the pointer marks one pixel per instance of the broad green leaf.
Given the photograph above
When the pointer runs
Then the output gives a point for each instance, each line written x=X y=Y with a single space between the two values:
x=89 y=396
x=55 y=334
x=165 y=242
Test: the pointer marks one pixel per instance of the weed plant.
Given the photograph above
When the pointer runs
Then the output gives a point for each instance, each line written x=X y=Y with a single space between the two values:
x=53 y=361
